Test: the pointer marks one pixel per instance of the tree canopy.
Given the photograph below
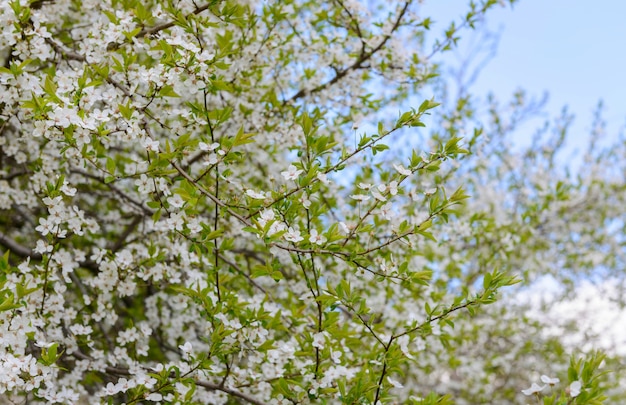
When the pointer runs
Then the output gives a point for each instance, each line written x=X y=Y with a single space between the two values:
x=282 y=202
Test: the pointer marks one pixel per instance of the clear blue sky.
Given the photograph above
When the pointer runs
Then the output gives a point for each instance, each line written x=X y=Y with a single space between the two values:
x=573 y=49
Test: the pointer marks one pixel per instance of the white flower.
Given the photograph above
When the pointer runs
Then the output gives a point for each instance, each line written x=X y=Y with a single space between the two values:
x=430 y=191
x=194 y=225
x=393 y=188
x=293 y=235
x=256 y=195
x=207 y=148
x=43 y=247
x=276 y=227
x=378 y=196
x=64 y=117
x=534 y=388
x=186 y=348
x=319 y=340
x=364 y=186
x=67 y=190
x=291 y=173
x=344 y=228
x=110 y=389
x=306 y=203
x=163 y=186
x=150 y=144
x=176 y=221
x=124 y=385
x=575 y=388
x=182 y=389
x=42 y=344
x=323 y=178
x=317 y=238
x=53 y=203
x=547 y=380
x=394 y=382
x=402 y=170
x=211 y=159
x=70 y=395
x=155 y=396
x=144 y=184
x=403 y=342
x=176 y=201
x=335 y=356
x=46 y=226
x=360 y=197
x=386 y=211
x=81 y=329
x=266 y=216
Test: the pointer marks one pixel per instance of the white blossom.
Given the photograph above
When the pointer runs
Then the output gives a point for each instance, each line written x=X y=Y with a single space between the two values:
x=316 y=238
x=176 y=201
x=534 y=388
x=400 y=169
x=550 y=381
x=293 y=235
x=257 y=195
x=291 y=173
x=575 y=388
x=360 y=197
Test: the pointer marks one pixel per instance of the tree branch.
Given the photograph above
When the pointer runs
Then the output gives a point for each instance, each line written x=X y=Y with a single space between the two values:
x=18 y=249
x=205 y=384
x=364 y=57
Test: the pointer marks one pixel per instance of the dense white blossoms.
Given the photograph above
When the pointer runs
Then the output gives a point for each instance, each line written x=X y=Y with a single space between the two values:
x=198 y=205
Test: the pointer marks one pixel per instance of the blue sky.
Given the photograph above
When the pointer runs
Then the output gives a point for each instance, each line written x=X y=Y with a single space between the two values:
x=573 y=49
x=576 y=51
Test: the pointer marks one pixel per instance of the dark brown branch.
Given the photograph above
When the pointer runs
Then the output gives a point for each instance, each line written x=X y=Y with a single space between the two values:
x=18 y=249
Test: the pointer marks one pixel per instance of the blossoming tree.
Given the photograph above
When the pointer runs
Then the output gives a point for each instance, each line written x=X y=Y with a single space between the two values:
x=211 y=203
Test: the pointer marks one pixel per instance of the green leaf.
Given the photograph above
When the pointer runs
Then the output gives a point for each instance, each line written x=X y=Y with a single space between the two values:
x=427 y=105
x=8 y=303
x=110 y=166
x=243 y=138
x=307 y=124
x=458 y=195
x=486 y=281
x=214 y=235
x=22 y=291
x=379 y=148
x=168 y=91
